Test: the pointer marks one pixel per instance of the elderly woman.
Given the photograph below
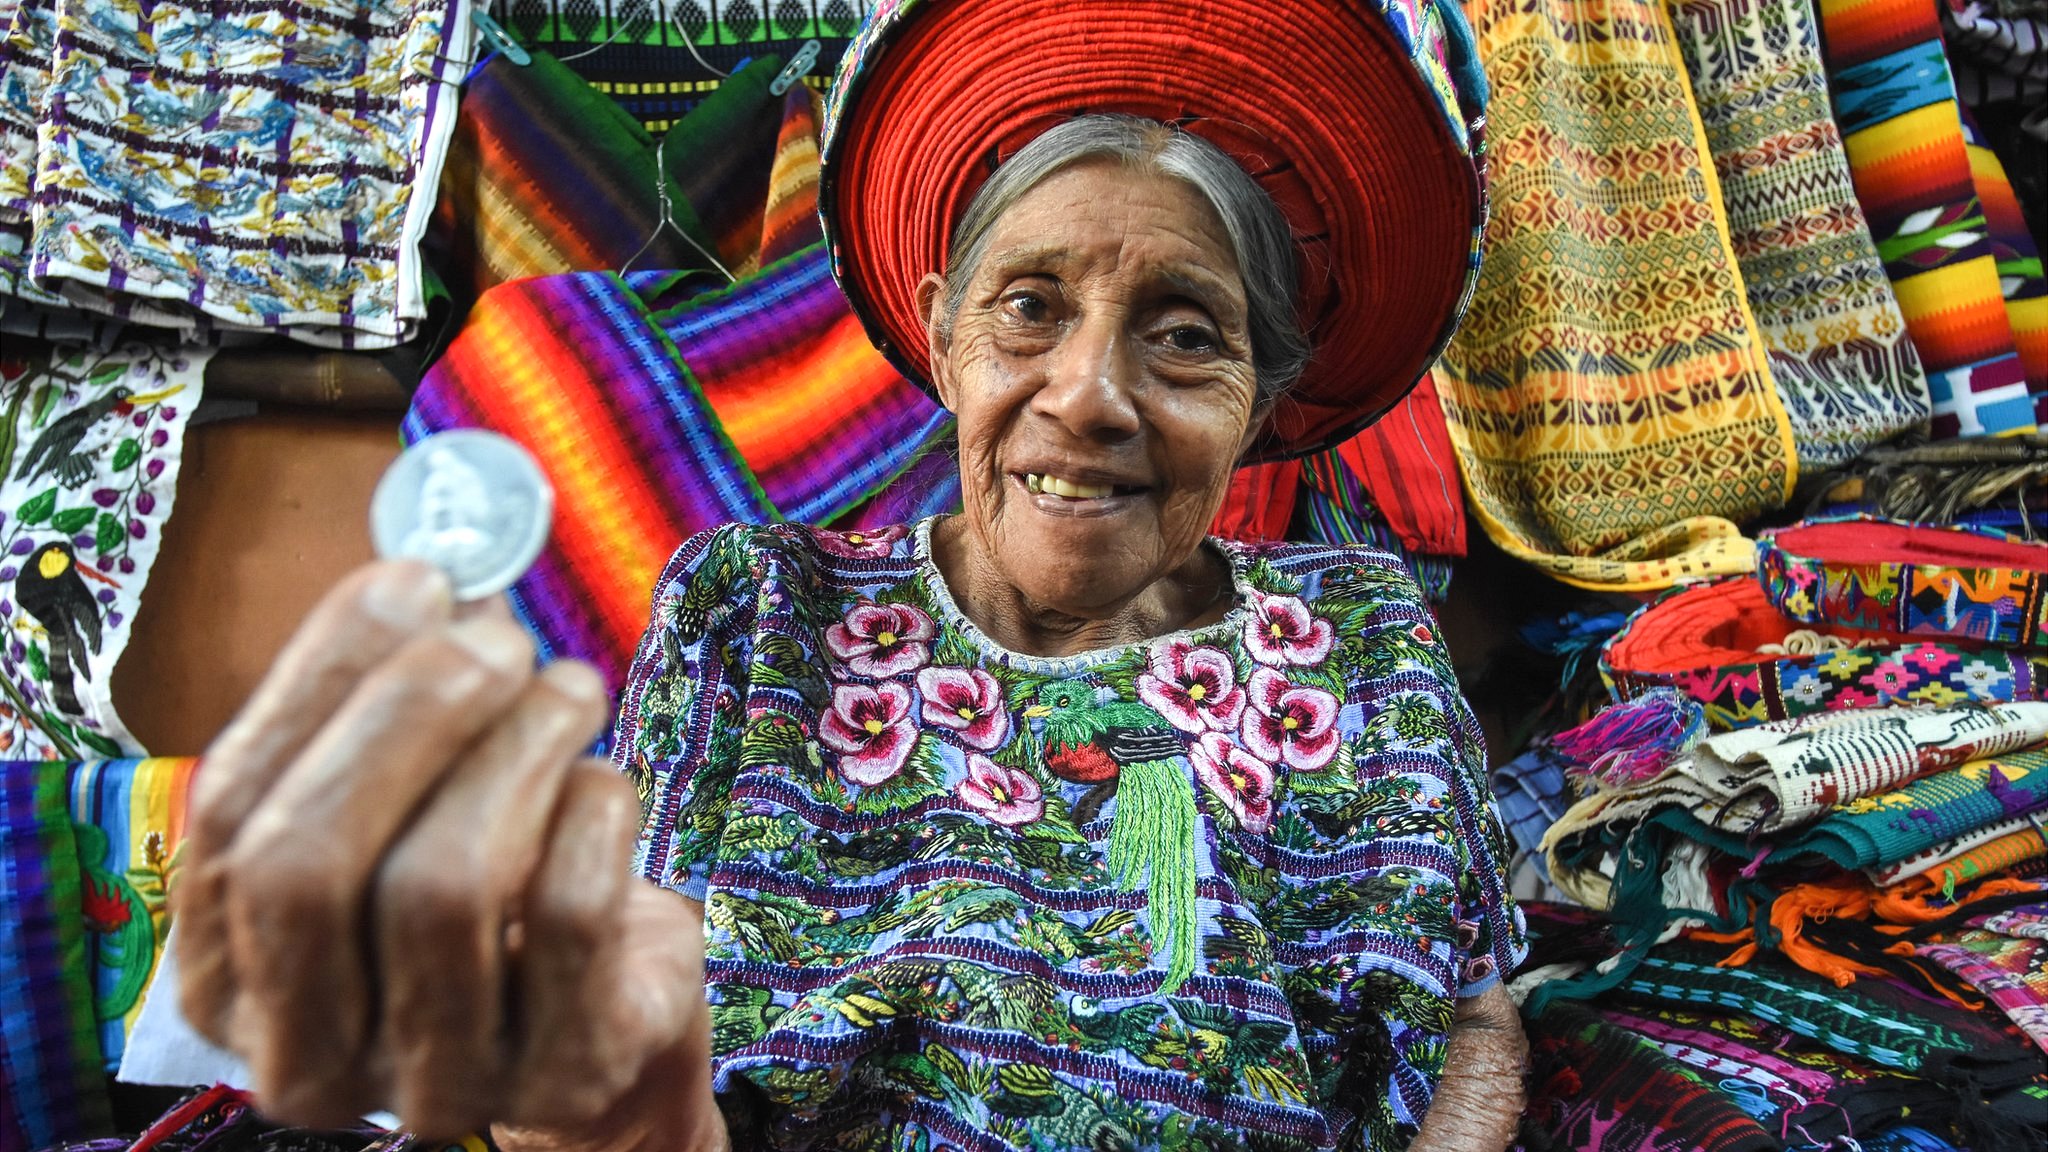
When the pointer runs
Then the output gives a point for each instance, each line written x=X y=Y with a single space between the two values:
x=1051 y=824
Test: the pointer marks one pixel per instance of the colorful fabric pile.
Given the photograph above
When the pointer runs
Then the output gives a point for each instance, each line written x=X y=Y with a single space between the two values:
x=1807 y=850
x=269 y=170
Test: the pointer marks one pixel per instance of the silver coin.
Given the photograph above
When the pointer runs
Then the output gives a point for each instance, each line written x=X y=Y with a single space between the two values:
x=472 y=503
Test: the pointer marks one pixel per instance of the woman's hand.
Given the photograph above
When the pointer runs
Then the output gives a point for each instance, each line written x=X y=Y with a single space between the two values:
x=404 y=886
x=1479 y=1100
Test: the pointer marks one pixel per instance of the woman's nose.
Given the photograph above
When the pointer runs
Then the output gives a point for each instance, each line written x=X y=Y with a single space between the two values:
x=1091 y=382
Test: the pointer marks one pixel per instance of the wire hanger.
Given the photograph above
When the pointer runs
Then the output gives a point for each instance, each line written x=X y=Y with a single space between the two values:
x=668 y=221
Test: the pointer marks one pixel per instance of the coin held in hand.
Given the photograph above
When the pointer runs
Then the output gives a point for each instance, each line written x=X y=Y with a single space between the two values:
x=470 y=502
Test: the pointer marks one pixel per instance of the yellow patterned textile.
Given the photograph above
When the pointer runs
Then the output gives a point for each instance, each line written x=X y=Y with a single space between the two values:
x=1608 y=394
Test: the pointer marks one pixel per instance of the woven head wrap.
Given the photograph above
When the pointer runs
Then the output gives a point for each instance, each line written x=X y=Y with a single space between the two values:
x=1359 y=117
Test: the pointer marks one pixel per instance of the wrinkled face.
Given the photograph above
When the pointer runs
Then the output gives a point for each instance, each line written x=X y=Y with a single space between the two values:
x=1100 y=367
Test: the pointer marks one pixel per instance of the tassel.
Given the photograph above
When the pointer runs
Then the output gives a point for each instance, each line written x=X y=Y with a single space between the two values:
x=1632 y=742
x=1152 y=842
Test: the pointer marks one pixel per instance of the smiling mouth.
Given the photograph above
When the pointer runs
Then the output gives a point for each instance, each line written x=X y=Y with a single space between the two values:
x=1042 y=484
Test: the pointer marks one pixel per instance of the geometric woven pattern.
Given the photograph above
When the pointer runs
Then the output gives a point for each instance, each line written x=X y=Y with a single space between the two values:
x=1838 y=349
x=1608 y=393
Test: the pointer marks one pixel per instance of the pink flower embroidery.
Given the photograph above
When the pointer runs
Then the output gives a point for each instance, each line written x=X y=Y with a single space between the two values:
x=1242 y=781
x=1283 y=631
x=967 y=700
x=1004 y=795
x=1298 y=725
x=882 y=640
x=1194 y=688
x=860 y=544
x=870 y=727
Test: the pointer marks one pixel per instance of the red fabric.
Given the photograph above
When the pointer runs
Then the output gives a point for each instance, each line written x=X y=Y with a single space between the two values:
x=1867 y=542
x=1316 y=98
x=1260 y=503
x=1406 y=462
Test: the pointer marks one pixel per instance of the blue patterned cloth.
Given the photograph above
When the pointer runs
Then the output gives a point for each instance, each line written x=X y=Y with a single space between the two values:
x=1219 y=889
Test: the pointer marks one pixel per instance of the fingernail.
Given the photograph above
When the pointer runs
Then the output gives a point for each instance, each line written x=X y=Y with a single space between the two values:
x=406 y=595
x=576 y=680
x=496 y=643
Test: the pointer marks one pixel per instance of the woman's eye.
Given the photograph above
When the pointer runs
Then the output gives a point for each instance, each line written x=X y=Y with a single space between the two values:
x=1190 y=338
x=1028 y=306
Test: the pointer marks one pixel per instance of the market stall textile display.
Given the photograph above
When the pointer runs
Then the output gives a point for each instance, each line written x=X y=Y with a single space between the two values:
x=643 y=417
x=658 y=58
x=1609 y=393
x=1876 y=575
x=1896 y=106
x=91 y=444
x=269 y=169
x=1335 y=507
x=1839 y=355
x=1708 y=641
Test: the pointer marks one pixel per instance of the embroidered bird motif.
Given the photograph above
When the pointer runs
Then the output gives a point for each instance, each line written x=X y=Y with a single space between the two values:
x=61 y=448
x=1125 y=747
x=52 y=591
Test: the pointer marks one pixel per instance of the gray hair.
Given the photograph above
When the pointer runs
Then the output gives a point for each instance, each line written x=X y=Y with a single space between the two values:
x=1258 y=231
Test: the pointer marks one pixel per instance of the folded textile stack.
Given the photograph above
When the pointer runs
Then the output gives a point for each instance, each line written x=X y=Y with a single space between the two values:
x=180 y=166
x=1813 y=826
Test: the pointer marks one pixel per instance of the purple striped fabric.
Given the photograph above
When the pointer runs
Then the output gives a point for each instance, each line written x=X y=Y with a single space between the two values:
x=52 y=1086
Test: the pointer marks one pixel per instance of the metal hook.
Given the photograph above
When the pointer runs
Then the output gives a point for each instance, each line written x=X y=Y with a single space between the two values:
x=668 y=221
x=798 y=67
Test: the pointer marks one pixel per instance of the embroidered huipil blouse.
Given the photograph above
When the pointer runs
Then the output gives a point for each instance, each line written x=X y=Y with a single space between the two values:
x=1215 y=890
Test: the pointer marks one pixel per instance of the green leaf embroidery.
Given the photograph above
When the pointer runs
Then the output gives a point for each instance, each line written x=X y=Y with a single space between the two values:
x=108 y=373
x=58 y=725
x=38 y=666
x=126 y=454
x=107 y=536
x=37 y=509
x=99 y=743
x=9 y=435
x=71 y=520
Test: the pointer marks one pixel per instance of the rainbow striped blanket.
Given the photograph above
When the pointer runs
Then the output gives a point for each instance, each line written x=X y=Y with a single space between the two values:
x=655 y=418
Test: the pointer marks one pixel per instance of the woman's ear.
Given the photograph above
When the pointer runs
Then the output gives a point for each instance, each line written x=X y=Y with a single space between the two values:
x=931 y=304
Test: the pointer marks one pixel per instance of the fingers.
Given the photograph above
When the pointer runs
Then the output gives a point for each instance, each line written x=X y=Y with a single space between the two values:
x=444 y=895
x=360 y=624
x=578 y=1051
x=299 y=868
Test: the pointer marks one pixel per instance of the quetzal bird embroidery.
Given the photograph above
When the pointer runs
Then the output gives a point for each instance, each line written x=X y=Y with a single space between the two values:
x=1125 y=746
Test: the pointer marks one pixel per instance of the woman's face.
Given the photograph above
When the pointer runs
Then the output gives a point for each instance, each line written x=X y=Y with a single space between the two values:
x=1100 y=367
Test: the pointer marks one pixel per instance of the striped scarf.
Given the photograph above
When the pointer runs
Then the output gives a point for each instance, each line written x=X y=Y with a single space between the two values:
x=1896 y=106
x=759 y=403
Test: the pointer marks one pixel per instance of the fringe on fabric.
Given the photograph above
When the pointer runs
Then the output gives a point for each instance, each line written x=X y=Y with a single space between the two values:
x=1635 y=740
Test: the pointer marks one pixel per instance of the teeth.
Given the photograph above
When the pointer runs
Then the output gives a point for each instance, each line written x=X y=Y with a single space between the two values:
x=1037 y=482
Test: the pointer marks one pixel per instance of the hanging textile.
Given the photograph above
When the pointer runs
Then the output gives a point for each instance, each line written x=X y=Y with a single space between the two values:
x=1608 y=394
x=2015 y=253
x=1896 y=107
x=1259 y=505
x=90 y=448
x=659 y=58
x=1405 y=463
x=759 y=403
x=128 y=821
x=1334 y=507
x=52 y=1079
x=1838 y=349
